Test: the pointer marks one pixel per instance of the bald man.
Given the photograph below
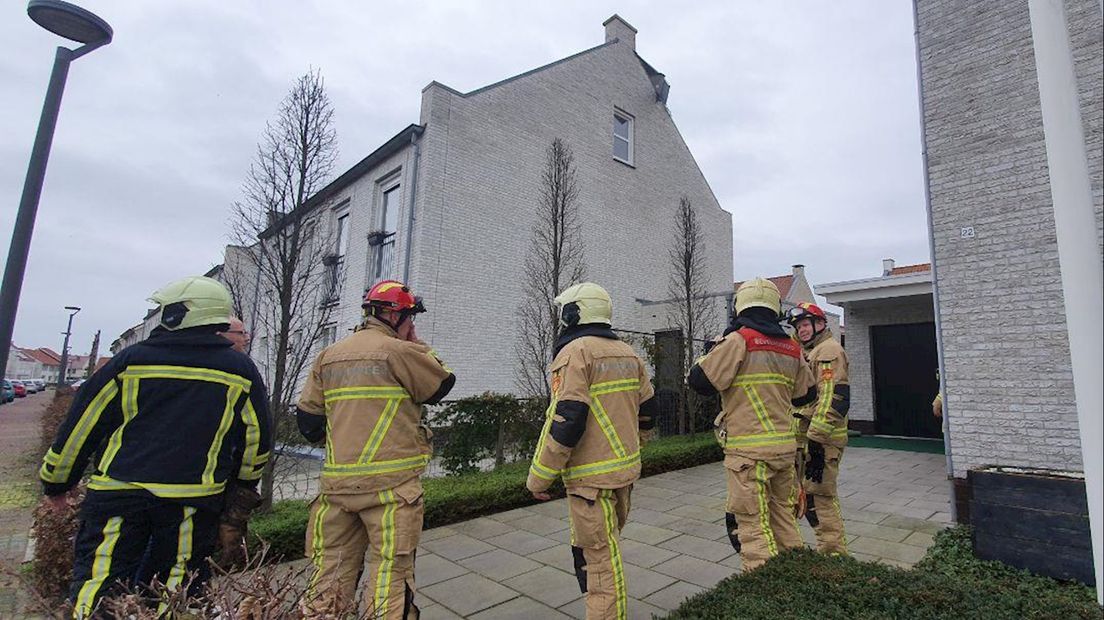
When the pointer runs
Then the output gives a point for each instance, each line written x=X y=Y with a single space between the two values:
x=237 y=335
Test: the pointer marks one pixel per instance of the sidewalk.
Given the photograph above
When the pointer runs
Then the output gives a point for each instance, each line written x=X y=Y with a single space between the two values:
x=19 y=490
x=517 y=564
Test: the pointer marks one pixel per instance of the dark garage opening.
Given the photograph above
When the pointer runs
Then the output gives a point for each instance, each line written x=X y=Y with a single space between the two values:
x=905 y=365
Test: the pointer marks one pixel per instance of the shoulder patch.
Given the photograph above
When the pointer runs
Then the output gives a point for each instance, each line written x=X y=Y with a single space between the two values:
x=826 y=373
x=557 y=383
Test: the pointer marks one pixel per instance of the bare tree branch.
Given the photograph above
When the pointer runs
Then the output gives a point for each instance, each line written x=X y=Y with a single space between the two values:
x=283 y=243
x=554 y=262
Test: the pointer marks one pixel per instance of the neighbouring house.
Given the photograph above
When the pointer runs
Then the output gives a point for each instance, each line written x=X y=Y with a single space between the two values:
x=891 y=348
x=23 y=364
x=448 y=205
x=136 y=333
x=1012 y=101
x=794 y=288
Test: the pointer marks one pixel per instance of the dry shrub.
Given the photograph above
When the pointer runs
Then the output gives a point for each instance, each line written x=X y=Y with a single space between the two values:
x=54 y=534
x=53 y=417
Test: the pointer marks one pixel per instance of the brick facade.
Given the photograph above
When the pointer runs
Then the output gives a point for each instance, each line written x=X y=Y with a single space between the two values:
x=1009 y=387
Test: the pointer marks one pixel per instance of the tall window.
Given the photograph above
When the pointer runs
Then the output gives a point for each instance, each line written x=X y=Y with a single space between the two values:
x=623 y=137
x=384 y=238
x=329 y=334
x=336 y=260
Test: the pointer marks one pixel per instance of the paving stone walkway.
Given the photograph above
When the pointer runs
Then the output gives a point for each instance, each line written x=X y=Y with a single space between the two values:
x=518 y=564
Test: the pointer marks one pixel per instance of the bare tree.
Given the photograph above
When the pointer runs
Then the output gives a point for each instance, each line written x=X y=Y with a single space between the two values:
x=554 y=261
x=286 y=244
x=692 y=311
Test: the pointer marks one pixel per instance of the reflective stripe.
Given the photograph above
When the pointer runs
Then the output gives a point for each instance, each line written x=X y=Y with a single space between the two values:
x=105 y=483
x=383 y=424
x=186 y=373
x=602 y=467
x=827 y=390
x=606 y=425
x=129 y=402
x=620 y=385
x=543 y=472
x=329 y=442
x=376 y=468
x=763 y=378
x=101 y=568
x=232 y=395
x=252 y=460
x=615 y=553
x=387 y=554
x=764 y=509
x=537 y=468
x=318 y=546
x=364 y=392
x=839 y=515
x=75 y=442
x=759 y=408
x=828 y=429
x=759 y=440
x=183 y=555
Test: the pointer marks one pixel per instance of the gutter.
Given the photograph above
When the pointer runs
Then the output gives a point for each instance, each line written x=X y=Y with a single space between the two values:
x=947 y=408
x=410 y=211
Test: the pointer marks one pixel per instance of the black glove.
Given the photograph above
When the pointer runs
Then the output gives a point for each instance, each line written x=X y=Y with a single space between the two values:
x=814 y=468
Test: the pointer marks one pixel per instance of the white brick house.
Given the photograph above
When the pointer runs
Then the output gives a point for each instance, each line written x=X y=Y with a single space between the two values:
x=448 y=204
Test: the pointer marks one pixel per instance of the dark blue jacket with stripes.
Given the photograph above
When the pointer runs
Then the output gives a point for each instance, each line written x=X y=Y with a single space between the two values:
x=178 y=416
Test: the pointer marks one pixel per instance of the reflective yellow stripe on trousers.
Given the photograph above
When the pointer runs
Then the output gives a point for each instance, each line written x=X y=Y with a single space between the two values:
x=101 y=568
x=610 y=519
x=183 y=556
x=387 y=554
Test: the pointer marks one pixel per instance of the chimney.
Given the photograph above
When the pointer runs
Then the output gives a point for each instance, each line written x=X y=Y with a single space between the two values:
x=617 y=28
x=798 y=271
x=887 y=266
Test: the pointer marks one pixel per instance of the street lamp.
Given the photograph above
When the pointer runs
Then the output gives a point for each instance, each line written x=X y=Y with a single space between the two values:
x=73 y=310
x=75 y=24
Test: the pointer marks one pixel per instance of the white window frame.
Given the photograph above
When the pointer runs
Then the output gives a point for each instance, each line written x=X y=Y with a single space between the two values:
x=392 y=182
x=618 y=113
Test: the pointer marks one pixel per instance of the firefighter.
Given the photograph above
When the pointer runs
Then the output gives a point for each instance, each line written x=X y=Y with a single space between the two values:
x=823 y=425
x=761 y=376
x=601 y=398
x=364 y=396
x=181 y=427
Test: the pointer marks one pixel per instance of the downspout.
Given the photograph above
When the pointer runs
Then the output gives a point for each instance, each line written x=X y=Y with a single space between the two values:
x=410 y=211
x=934 y=271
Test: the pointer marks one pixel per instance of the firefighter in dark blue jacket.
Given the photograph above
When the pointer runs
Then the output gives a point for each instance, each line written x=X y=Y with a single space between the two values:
x=177 y=427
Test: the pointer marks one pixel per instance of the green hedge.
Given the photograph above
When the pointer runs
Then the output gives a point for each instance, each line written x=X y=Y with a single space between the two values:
x=466 y=496
x=949 y=583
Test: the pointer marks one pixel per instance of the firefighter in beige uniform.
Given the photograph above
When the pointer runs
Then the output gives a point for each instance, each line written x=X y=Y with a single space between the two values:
x=601 y=398
x=761 y=376
x=823 y=424
x=363 y=396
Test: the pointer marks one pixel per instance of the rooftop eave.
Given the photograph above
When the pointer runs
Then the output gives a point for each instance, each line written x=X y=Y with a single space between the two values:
x=887 y=287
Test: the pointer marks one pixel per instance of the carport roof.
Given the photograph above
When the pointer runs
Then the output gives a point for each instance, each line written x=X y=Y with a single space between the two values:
x=904 y=283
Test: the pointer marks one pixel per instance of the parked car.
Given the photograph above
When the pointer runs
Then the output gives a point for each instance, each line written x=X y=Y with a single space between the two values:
x=20 y=389
x=7 y=392
x=32 y=387
x=41 y=384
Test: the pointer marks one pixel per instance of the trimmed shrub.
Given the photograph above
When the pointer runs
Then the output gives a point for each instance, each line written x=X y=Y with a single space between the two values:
x=467 y=496
x=54 y=532
x=948 y=583
x=488 y=427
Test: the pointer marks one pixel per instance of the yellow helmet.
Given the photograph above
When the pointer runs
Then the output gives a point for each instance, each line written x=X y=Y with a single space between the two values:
x=584 y=303
x=758 y=292
x=193 y=301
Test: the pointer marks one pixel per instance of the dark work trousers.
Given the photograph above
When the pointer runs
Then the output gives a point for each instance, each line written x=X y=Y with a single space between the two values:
x=133 y=539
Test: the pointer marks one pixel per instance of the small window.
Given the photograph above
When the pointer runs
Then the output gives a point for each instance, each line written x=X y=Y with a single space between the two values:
x=329 y=334
x=623 y=137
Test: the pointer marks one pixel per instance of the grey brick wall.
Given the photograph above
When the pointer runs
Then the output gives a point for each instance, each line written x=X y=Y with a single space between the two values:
x=859 y=318
x=482 y=158
x=1007 y=368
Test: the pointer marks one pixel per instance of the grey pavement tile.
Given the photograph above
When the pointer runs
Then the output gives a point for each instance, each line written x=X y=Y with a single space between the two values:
x=920 y=539
x=652 y=517
x=559 y=557
x=673 y=595
x=881 y=532
x=555 y=509
x=709 y=502
x=522 y=542
x=649 y=534
x=905 y=511
x=934 y=507
x=886 y=550
x=694 y=512
x=861 y=514
x=521 y=608
x=435 y=533
x=540 y=524
x=701 y=529
x=640 y=554
x=912 y=523
x=511 y=515
x=430 y=569
x=644 y=489
x=734 y=562
x=468 y=594
x=641 y=582
x=435 y=611
x=552 y=587
x=483 y=528
x=653 y=503
x=457 y=546
x=693 y=570
x=499 y=564
x=941 y=517
x=701 y=548
x=562 y=536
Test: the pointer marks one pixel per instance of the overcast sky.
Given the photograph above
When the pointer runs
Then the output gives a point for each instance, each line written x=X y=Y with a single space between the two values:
x=803 y=116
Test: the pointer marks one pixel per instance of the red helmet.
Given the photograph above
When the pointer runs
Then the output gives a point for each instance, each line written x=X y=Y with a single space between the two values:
x=805 y=310
x=393 y=295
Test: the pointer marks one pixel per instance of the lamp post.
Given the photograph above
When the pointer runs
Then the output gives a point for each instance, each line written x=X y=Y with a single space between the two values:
x=75 y=24
x=64 y=367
